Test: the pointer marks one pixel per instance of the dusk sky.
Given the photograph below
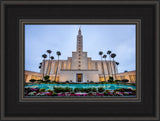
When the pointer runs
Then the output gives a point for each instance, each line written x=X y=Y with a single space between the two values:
x=120 y=39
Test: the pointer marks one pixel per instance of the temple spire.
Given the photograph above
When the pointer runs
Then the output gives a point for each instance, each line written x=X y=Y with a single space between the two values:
x=79 y=32
x=79 y=41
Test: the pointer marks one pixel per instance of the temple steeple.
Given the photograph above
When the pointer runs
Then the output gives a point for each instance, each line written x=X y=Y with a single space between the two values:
x=79 y=41
x=79 y=32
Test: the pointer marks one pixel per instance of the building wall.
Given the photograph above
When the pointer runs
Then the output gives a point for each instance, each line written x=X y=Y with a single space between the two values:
x=131 y=76
x=86 y=75
x=73 y=64
x=32 y=75
x=67 y=75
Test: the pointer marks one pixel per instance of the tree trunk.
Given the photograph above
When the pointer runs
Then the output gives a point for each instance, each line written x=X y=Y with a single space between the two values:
x=57 y=69
x=114 y=69
x=48 y=71
x=103 y=69
x=43 y=68
x=49 y=65
x=111 y=66
x=107 y=67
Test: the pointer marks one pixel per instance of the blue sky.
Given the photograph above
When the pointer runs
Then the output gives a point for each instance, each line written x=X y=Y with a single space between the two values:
x=120 y=39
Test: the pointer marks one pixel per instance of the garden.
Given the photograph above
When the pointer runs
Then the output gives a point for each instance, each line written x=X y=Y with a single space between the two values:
x=52 y=88
x=66 y=91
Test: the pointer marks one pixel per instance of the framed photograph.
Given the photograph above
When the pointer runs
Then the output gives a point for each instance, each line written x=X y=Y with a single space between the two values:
x=79 y=78
x=80 y=60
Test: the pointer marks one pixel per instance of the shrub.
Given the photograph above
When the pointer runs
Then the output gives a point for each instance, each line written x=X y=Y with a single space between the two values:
x=32 y=80
x=133 y=90
x=42 y=90
x=40 y=80
x=111 y=78
x=125 y=90
x=72 y=92
x=67 y=81
x=110 y=81
x=43 y=81
x=37 y=89
x=94 y=89
x=54 y=82
x=102 y=82
x=87 y=90
x=81 y=89
x=67 y=89
x=46 y=77
x=76 y=89
x=105 y=93
x=58 y=89
x=54 y=94
x=120 y=89
x=133 y=84
x=90 y=94
x=117 y=81
x=125 y=80
x=63 y=93
x=61 y=89
x=91 y=82
x=101 y=89
x=49 y=90
x=27 y=89
x=48 y=81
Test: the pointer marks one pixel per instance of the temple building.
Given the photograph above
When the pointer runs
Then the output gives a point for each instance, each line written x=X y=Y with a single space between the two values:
x=80 y=68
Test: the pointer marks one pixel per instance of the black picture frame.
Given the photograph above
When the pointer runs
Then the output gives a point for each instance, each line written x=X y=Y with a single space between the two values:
x=13 y=11
x=23 y=22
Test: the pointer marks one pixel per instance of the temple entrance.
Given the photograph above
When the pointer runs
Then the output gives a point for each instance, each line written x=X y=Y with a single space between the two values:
x=79 y=77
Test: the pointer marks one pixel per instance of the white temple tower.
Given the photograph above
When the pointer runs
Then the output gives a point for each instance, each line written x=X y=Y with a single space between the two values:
x=79 y=68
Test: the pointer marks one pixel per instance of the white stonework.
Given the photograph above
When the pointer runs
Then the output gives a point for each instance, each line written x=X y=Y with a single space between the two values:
x=68 y=69
x=86 y=75
x=79 y=67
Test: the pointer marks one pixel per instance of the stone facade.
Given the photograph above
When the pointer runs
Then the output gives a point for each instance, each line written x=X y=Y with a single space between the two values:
x=79 y=67
x=71 y=75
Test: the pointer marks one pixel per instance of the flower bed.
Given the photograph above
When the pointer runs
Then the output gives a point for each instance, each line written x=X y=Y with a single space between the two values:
x=59 y=91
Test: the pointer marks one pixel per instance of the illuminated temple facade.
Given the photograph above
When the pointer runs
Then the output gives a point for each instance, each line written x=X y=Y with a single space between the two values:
x=79 y=68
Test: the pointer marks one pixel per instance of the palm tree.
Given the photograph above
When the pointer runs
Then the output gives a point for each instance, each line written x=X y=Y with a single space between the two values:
x=51 y=62
x=52 y=57
x=105 y=56
x=49 y=52
x=113 y=55
x=117 y=63
x=40 y=65
x=58 y=53
x=44 y=56
x=125 y=71
x=101 y=53
x=109 y=53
